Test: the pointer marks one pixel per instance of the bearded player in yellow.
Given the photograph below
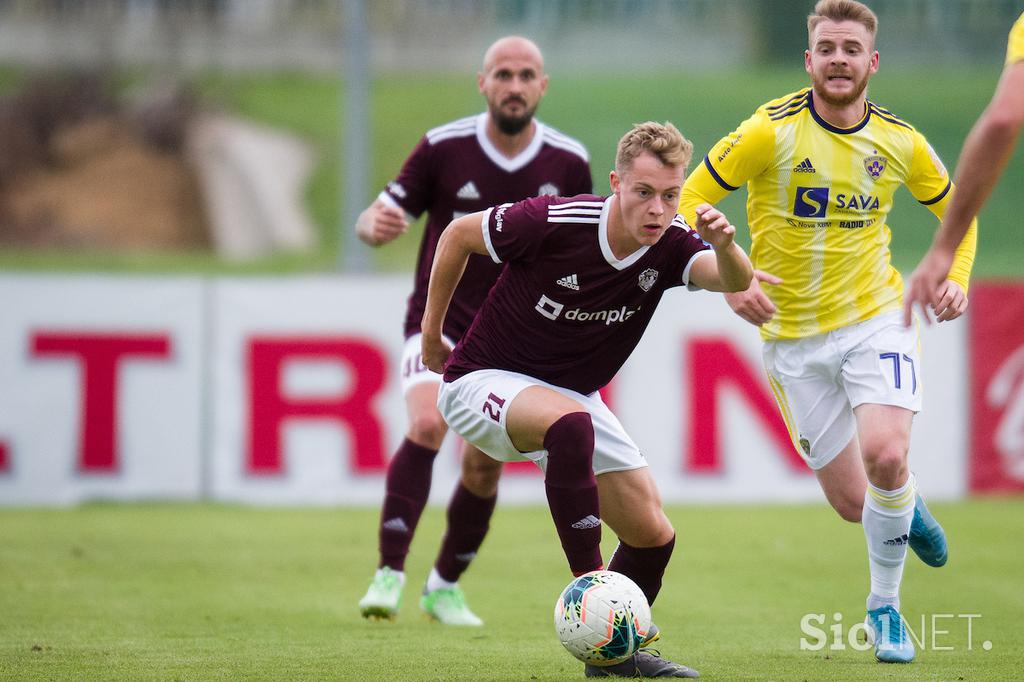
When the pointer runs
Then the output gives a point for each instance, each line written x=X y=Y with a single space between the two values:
x=821 y=167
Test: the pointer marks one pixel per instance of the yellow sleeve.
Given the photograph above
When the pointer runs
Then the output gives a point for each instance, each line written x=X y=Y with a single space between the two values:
x=930 y=184
x=737 y=157
x=928 y=179
x=1015 y=46
x=963 y=261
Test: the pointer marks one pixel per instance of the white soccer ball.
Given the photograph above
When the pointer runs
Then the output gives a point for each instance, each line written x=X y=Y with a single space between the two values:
x=602 y=617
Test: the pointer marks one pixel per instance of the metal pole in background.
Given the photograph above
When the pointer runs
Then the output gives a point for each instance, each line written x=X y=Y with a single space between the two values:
x=354 y=157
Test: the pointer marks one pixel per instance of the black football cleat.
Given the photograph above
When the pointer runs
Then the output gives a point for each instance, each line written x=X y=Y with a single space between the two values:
x=644 y=663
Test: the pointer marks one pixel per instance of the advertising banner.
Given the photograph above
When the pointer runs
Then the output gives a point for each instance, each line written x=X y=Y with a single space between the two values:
x=285 y=391
x=997 y=387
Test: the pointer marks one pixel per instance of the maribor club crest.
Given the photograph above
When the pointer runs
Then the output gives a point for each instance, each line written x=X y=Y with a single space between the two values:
x=875 y=165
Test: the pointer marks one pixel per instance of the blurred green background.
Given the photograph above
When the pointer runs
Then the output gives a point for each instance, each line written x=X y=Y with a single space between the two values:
x=703 y=64
x=596 y=110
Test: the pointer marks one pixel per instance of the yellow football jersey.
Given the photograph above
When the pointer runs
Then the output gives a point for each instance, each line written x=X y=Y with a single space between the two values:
x=1015 y=47
x=817 y=201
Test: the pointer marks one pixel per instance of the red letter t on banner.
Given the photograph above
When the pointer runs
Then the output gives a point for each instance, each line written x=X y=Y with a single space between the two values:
x=99 y=355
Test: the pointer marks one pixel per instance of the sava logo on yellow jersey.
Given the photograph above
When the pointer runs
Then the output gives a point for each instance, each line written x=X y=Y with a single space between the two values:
x=810 y=202
x=813 y=202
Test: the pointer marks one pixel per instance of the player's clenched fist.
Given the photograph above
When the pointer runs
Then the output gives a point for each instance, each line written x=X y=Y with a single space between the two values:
x=380 y=223
x=435 y=352
x=713 y=227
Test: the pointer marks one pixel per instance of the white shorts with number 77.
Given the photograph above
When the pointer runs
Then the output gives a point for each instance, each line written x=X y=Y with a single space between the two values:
x=818 y=380
x=476 y=407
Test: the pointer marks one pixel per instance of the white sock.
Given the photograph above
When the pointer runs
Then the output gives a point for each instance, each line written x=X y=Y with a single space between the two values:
x=436 y=582
x=876 y=602
x=886 y=519
x=398 y=574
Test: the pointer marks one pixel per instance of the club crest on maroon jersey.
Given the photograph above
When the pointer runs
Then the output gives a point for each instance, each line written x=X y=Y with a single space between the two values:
x=647 y=278
x=548 y=189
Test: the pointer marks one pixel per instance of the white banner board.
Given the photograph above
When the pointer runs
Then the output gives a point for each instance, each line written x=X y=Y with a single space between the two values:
x=101 y=388
x=285 y=391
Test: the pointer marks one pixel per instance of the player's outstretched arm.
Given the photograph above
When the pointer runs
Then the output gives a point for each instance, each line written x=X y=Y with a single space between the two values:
x=753 y=304
x=380 y=223
x=731 y=269
x=985 y=154
x=461 y=238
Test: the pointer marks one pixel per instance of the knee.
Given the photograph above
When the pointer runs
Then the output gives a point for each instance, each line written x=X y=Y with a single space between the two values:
x=656 y=532
x=480 y=474
x=427 y=430
x=886 y=464
x=850 y=509
x=660 y=533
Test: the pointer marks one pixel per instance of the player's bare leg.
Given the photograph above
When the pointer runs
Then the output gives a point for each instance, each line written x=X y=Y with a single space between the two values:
x=631 y=506
x=542 y=419
x=845 y=484
x=884 y=434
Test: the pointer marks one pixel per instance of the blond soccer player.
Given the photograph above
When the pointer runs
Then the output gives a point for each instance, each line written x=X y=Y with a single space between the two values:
x=523 y=383
x=985 y=154
x=821 y=167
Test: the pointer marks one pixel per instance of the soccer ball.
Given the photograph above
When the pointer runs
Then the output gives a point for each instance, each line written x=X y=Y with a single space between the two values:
x=602 y=617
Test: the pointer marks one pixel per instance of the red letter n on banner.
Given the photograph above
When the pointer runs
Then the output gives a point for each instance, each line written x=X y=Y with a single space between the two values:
x=715 y=365
x=5 y=460
x=99 y=355
x=270 y=407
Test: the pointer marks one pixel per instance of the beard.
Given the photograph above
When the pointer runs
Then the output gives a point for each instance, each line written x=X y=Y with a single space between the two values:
x=841 y=100
x=512 y=125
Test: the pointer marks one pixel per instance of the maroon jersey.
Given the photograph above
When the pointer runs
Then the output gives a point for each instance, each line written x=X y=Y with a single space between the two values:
x=455 y=170
x=566 y=310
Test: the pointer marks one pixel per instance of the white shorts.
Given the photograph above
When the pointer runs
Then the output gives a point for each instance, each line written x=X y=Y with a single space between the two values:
x=413 y=370
x=475 y=407
x=818 y=380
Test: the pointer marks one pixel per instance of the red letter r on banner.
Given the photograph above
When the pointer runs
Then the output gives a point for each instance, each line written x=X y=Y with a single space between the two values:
x=269 y=407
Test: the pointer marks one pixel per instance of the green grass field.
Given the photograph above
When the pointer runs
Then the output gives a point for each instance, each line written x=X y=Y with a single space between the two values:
x=196 y=592
x=596 y=110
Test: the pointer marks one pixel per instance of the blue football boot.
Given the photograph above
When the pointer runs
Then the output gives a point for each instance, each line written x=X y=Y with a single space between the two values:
x=927 y=538
x=887 y=632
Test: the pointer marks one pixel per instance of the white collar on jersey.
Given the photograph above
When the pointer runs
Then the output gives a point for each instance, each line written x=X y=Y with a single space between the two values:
x=606 y=249
x=500 y=160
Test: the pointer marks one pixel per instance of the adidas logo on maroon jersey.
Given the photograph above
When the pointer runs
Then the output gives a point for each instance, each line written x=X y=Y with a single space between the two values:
x=569 y=282
x=468 y=191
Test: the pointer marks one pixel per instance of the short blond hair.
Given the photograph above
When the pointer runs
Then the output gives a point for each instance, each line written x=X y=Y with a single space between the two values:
x=842 y=10
x=663 y=140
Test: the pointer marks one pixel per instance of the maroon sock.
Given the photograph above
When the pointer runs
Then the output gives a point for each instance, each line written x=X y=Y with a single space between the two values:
x=643 y=565
x=407 y=488
x=571 y=490
x=469 y=517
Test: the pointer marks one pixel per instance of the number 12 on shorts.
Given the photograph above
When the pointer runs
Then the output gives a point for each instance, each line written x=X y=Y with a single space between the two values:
x=896 y=364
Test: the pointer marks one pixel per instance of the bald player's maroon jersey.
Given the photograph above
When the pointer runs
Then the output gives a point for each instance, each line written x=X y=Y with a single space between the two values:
x=566 y=310
x=455 y=170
